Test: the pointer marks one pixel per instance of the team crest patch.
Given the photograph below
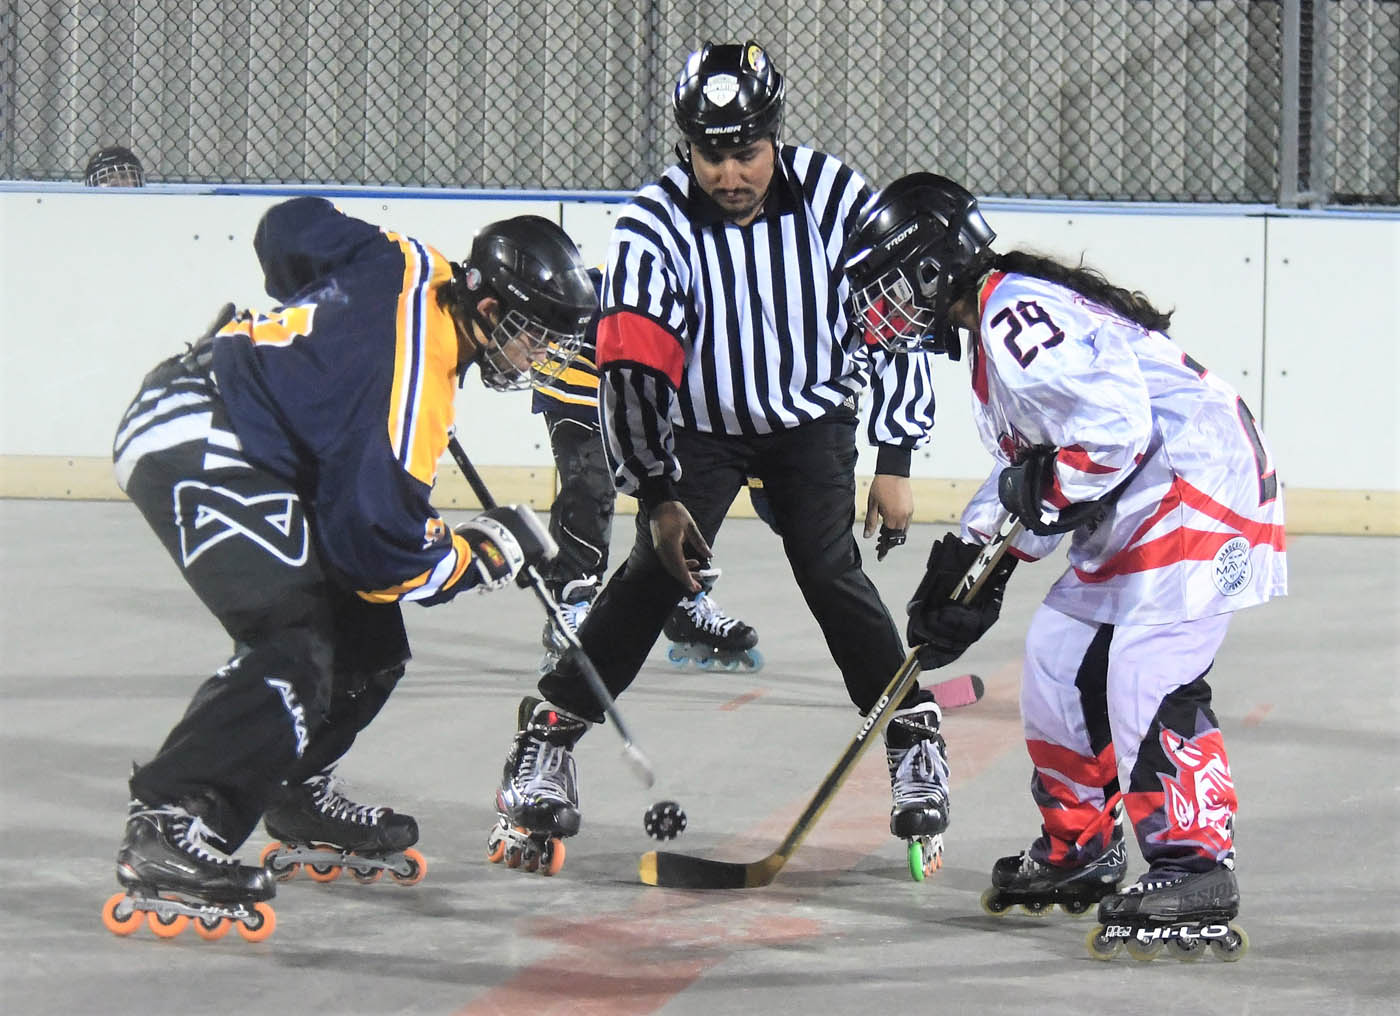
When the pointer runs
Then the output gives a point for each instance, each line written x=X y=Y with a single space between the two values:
x=1231 y=568
x=720 y=89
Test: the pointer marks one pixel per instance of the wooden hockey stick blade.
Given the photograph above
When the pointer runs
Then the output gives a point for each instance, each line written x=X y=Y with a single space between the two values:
x=683 y=871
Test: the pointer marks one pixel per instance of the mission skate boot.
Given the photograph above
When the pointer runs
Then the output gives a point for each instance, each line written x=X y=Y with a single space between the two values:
x=703 y=633
x=537 y=803
x=1183 y=911
x=320 y=828
x=171 y=873
x=918 y=761
x=1037 y=887
x=575 y=600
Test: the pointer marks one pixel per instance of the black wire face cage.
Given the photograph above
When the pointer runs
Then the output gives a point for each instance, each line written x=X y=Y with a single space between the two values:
x=526 y=354
x=892 y=315
x=116 y=174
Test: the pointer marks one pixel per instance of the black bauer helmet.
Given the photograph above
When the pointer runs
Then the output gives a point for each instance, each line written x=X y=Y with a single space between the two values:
x=547 y=300
x=728 y=96
x=114 y=166
x=918 y=244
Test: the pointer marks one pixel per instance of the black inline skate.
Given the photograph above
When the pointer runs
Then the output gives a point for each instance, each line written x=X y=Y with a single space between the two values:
x=537 y=802
x=1183 y=912
x=315 y=826
x=918 y=762
x=703 y=634
x=575 y=601
x=1036 y=887
x=173 y=876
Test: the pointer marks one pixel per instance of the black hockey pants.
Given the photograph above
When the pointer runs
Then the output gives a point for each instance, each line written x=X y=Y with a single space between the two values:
x=313 y=663
x=808 y=475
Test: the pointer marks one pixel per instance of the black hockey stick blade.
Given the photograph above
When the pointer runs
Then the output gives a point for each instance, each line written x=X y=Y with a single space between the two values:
x=683 y=871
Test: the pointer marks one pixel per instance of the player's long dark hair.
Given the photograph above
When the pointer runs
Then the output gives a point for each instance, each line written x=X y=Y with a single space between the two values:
x=1086 y=281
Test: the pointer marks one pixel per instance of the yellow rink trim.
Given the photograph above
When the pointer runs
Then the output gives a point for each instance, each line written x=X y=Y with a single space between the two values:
x=89 y=478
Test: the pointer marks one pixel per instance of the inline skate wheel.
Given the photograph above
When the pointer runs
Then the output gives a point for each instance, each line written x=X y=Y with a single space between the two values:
x=1075 y=907
x=552 y=860
x=280 y=870
x=677 y=655
x=259 y=924
x=1101 y=947
x=212 y=930
x=993 y=904
x=925 y=857
x=664 y=820
x=415 y=868
x=119 y=916
x=1234 y=945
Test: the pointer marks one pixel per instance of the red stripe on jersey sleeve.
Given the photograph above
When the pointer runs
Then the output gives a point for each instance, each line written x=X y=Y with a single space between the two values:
x=1076 y=457
x=635 y=338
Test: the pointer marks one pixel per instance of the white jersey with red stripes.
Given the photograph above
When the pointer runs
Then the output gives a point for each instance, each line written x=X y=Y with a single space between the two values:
x=1197 y=528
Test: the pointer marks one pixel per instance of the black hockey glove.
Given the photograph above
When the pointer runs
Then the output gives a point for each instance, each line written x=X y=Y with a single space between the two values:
x=504 y=541
x=888 y=540
x=1022 y=488
x=941 y=628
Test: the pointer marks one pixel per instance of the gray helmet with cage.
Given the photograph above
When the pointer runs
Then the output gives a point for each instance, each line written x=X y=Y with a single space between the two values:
x=917 y=246
x=534 y=270
x=728 y=96
x=114 y=166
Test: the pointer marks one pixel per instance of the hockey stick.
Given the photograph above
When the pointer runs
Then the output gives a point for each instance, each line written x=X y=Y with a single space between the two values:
x=636 y=760
x=683 y=871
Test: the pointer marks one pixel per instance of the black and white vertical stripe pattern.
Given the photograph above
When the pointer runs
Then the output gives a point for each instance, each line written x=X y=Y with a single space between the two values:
x=177 y=409
x=762 y=312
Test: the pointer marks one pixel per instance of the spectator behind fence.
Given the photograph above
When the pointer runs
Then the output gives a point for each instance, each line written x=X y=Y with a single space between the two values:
x=114 y=166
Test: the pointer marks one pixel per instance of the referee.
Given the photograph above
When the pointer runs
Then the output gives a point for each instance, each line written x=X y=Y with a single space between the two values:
x=727 y=351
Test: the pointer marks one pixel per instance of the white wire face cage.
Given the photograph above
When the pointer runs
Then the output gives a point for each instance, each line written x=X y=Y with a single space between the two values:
x=526 y=354
x=117 y=175
x=891 y=314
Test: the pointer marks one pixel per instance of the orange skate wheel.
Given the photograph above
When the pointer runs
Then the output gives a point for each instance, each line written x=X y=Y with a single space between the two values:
x=212 y=932
x=322 y=872
x=281 y=872
x=367 y=876
x=167 y=928
x=496 y=852
x=418 y=867
x=116 y=924
x=556 y=858
x=263 y=925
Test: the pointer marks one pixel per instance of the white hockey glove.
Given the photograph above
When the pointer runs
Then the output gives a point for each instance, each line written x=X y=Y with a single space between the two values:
x=504 y=541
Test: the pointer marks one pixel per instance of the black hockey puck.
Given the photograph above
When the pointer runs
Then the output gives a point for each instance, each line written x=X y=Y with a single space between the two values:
x=664 y=820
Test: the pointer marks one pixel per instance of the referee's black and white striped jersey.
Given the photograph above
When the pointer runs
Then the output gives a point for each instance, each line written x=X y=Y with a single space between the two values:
x=741 y=330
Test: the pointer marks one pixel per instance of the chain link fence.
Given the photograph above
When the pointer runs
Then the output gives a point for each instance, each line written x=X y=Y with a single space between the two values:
x=1269 y=101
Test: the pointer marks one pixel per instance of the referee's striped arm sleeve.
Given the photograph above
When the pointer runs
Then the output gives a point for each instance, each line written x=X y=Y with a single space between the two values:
x=901 y=413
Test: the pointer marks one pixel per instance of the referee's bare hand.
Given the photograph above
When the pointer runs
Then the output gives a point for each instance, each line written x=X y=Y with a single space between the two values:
x=891 y=499
x=673 y=534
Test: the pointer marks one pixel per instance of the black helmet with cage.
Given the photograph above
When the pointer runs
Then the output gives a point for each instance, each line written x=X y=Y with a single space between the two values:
x=114 y=166
x=534 y=270
x=919 y=243
x=728 y=96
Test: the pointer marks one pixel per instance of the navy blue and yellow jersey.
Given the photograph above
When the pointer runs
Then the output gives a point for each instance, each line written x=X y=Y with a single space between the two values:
x=574 y=393
x=346 y=389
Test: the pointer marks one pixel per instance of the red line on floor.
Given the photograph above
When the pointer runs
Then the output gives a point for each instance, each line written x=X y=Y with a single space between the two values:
x=636 y=960
x=1256 y=715
x=744 y=699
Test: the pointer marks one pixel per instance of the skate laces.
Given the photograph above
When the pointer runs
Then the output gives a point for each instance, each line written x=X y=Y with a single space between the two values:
x=707 y=615
x=545 y=770
x=192 y=834
x=919 y=772
x=335 y=805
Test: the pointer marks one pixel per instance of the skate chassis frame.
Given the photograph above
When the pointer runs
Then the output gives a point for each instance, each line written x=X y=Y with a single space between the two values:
x=684 y=871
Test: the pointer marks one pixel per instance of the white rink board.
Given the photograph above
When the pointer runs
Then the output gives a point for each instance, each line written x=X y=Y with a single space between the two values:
x=96 y=287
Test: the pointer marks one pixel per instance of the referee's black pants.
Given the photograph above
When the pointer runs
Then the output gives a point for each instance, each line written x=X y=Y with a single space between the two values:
x=808 y=473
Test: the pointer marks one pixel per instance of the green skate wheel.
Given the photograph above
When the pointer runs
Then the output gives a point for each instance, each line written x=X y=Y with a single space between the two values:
x=916 y=860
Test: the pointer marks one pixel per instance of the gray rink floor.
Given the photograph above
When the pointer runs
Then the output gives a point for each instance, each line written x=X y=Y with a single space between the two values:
x=103 y=646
